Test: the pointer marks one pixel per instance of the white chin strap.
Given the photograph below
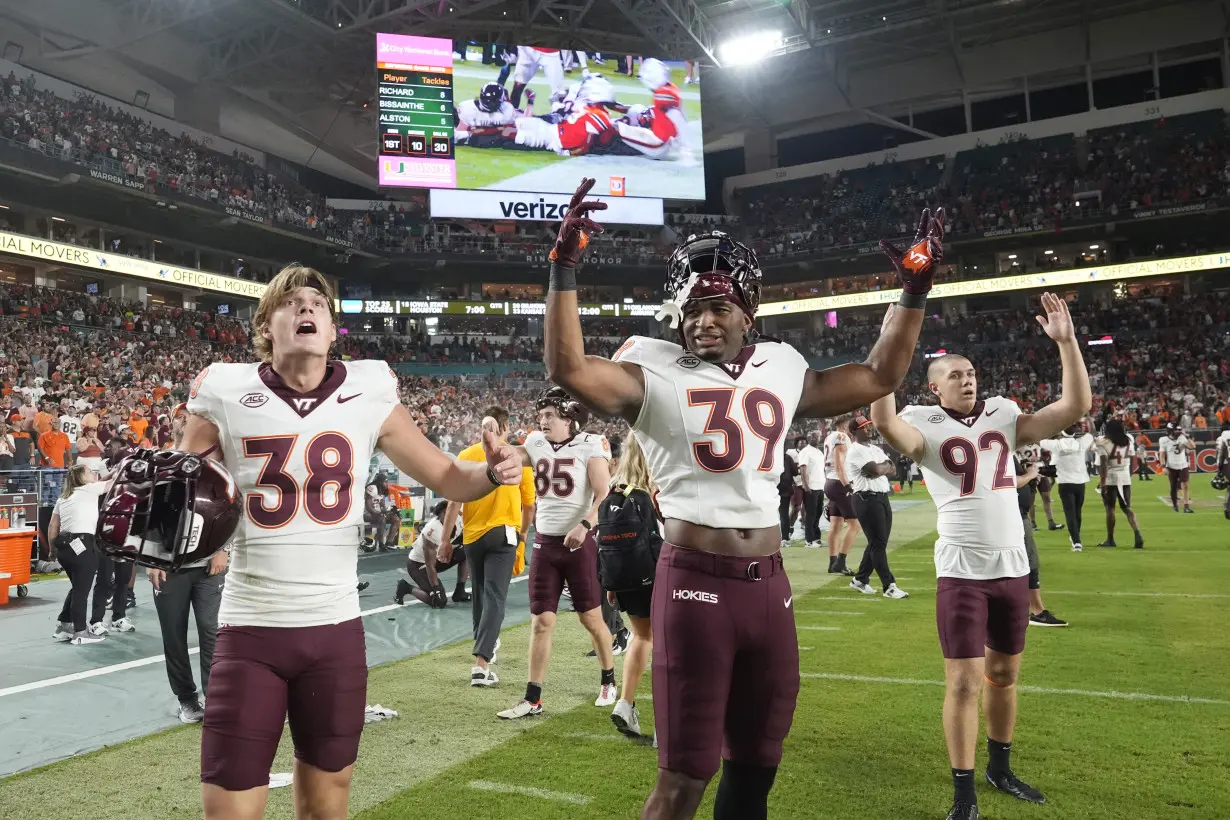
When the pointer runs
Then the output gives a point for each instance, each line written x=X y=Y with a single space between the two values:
x=672 y=310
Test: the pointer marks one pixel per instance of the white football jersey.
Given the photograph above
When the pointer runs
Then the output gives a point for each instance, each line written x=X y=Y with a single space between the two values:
x=714 y=434
x=294 y=456
x=561 y=478
x=1174 y=450
x=1118 y=461
x=832 y=441
x=432 y=531
x=71 y=425
x=474 y=117
x=1223 y=445
x=967 y=464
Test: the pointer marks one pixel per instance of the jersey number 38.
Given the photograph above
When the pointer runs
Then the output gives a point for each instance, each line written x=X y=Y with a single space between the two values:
x=326 y=492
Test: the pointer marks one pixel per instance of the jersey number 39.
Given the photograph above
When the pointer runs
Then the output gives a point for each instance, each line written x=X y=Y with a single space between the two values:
x=763 y=414
x=326 y=494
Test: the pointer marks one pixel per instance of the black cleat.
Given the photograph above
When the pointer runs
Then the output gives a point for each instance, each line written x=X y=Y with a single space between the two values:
x=363 y=585
x=403 y=589
x=1140 y=540
x=1227 y=512
x=460 y=596
x=1045 y=618
x=963 y=811
x=131 y=599
x=1109 y=542
x=619 y=643
x=1051 y=526
x=1188 y=510
x=1009 y=783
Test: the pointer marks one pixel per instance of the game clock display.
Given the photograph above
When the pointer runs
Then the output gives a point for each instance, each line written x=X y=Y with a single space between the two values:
x=415 y=104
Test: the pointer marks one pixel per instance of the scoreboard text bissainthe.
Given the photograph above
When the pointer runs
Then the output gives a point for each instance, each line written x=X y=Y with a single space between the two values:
x=416 y=111
x=411 y=307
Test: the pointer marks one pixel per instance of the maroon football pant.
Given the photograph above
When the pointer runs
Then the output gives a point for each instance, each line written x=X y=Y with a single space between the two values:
x=725 y=660
x=552 y=565
x=973 y=616
x=316 y=675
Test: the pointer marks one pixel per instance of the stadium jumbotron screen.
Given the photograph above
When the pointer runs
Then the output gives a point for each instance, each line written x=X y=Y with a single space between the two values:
x=530 y=118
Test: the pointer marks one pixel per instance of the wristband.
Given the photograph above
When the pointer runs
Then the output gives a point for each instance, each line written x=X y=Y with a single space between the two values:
x=491 y=476
x=563 y=278
x=913 y=300
x=586 y=524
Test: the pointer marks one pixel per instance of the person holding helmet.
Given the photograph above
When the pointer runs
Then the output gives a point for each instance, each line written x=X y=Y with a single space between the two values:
x=572 y=476
x=711 y=410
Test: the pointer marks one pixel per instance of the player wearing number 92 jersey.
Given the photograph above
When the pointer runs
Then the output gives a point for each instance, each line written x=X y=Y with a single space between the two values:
x=711 y=413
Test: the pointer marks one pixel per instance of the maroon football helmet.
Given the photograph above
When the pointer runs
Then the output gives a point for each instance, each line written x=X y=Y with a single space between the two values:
x=564 y=404
x=168 y=509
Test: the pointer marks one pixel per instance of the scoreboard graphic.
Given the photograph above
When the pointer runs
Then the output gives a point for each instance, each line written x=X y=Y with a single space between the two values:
x=415 y=77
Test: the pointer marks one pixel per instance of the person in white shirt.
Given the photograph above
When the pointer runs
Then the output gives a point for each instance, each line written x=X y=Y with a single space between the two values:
x=964 y=448
x=1116 y=461
x=843 y=525
x=870 y=468
x=1223 y=462
x=71 y=533
x=1071 y=474
x=1174 y=452
x=811 y=474
x=424 y=567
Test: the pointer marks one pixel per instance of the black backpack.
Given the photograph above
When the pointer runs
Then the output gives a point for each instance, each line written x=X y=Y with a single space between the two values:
x=628 y=540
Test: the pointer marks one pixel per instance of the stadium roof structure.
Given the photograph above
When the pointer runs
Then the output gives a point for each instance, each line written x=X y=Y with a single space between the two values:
x=300 y=73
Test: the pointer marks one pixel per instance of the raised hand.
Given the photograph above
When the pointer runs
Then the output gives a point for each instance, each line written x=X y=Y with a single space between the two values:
x=1057 y=323
x=577 y=227
x=503 y=459
x=916 y=266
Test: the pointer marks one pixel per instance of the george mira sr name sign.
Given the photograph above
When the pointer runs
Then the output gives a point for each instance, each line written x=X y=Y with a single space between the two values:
x=45 y=250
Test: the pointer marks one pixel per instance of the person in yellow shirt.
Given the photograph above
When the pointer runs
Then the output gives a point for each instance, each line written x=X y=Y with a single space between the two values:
x=493 y=533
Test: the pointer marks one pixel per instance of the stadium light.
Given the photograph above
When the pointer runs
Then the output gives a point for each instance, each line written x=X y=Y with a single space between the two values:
x=1048 y=253
x=749 y=49
x=1012 y=256
x=1094 y=247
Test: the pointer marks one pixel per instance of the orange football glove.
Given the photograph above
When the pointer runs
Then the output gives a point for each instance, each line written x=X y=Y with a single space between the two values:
x=519 y=563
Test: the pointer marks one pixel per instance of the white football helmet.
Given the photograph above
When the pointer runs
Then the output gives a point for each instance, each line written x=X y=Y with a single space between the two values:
x=654 y=73
x=596 y=91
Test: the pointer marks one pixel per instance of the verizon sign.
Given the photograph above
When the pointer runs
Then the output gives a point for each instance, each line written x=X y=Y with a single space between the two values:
x=501 y=205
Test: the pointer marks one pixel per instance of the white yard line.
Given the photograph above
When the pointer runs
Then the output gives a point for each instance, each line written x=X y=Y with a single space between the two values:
x=838 y=612
x=136 y=664
x=820 y=628
x=1141 y=594
x=1040 y=690
x=531 y=791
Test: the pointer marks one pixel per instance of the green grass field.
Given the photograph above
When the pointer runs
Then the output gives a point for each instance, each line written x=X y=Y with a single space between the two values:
x=1125 y=714
x=482 y=167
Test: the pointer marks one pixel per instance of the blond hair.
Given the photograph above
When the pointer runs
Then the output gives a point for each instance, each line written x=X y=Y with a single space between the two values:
x=632 y=470
x=74 y=479
x=289 y=279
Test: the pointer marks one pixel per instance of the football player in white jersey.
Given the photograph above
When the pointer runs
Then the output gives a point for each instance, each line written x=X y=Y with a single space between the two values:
x=572 y=476
x=488 y=120
x=964 y=447
x=838 y=489
x=1174 y=450
x=424 y=567
x=292 y=429
x=711 y=412
x=1223 y=465
x=1116 y=462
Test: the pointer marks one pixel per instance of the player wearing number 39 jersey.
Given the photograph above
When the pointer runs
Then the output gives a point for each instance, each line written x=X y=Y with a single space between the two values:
x=711 y=411
x=964 y=448
x=296 y=432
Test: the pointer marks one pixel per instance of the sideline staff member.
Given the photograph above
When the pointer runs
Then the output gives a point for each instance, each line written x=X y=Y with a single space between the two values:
x=493 y=533
x=869 y=468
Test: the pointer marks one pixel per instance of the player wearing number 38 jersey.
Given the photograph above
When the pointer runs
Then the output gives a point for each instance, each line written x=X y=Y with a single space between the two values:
x=964 y=447
x=296 y=432
x=711 y=411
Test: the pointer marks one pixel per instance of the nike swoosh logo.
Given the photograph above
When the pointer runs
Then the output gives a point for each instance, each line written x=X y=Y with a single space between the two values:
x=759 y=363
x=992 y=412
x=787 y=601
x=344 y=399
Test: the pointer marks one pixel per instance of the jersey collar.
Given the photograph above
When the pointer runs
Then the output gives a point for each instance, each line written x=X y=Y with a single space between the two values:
x=304 y=403
x=967 y=420
x=737 y=366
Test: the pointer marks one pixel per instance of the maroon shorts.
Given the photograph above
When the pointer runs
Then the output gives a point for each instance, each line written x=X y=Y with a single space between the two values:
x=725 y=660
x=974 y=616
x=1179 y=476
x=317 y=675
x=841 y=502
x=552 y=565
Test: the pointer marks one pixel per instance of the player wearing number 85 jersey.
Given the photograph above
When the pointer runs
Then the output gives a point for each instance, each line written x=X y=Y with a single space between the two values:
x=571 y=476
x=711 y=412
x=964 y=448
x=293 y=430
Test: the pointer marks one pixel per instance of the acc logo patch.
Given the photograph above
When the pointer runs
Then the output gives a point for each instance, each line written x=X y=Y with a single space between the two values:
x=196 y=383
x=253 y=399
x=689 y=362
x=935 y=418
